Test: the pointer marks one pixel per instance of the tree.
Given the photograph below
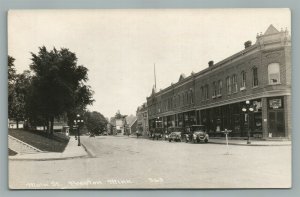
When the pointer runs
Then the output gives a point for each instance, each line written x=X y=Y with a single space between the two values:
x=18 y=85
x=118 y=115
x=11 y=83
x=58 y=85
x=95 y=122
x=20 y=99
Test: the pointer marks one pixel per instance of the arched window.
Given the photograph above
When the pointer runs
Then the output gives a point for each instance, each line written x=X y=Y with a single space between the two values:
x=255 y=77
x=274 y=73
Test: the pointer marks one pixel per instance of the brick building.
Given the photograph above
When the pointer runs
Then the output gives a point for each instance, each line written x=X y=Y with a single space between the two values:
x=142 y=120
x=256 y=79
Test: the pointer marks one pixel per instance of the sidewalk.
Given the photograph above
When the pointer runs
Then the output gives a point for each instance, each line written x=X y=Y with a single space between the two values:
x=72 y=150
x=254 y=142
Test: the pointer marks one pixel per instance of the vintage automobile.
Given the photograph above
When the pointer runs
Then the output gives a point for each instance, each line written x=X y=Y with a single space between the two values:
x=172 y=129
x=157 y=134
x=175 y=136
x=198 y=134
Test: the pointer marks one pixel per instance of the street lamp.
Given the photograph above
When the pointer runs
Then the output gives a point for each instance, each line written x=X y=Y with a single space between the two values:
x=247 y=109
x=78 y=121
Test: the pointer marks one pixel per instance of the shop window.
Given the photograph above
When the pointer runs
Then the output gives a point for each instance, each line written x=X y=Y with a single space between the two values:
x=274 y=73
x=255 y=77
x=243 y=82
x=234 y=84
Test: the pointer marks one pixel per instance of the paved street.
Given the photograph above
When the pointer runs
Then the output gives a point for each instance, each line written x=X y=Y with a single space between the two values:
x=126 y=162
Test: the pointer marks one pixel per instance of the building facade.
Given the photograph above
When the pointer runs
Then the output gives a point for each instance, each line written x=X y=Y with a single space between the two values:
x=142 y=120
x=248 y=91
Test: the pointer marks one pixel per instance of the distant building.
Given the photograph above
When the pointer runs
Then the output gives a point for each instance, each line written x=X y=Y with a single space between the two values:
x=142 y=119
x=250 y=90
x=133 y=127
x=14 y=125
x=121 y=126
x=130 y=122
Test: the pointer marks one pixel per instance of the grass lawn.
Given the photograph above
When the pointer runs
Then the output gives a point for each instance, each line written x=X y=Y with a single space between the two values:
x=39 y=139
x=11 y=152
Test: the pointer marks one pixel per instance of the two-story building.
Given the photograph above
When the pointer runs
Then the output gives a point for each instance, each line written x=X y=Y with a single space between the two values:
x=142 y=120
x=250 y=90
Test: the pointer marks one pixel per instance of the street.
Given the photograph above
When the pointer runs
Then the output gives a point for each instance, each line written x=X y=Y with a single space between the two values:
x=127 y=162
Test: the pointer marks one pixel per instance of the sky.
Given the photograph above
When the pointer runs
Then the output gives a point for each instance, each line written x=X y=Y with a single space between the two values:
x=120 y=47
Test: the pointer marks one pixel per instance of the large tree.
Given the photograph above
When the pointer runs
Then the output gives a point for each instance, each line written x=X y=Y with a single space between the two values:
x=95 y=122
x=11 y=84
x=21 y=94
x=18 y=86
x=58 y=85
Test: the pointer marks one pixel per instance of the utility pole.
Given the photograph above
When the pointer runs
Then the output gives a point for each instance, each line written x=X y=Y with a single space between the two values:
x=154 y=77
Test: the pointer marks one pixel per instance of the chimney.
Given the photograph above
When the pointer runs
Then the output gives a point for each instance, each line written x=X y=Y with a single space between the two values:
x=210 y=63
x=248 y=44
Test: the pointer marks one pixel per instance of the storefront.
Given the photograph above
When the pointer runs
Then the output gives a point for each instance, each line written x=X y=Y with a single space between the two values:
x=276 y=119
x=232 y=117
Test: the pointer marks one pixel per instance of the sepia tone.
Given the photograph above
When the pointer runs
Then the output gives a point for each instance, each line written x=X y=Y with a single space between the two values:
x=101 y=99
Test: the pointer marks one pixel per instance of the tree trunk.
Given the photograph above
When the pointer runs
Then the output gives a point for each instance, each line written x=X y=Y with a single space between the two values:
x=17 y=121
x=51 y=125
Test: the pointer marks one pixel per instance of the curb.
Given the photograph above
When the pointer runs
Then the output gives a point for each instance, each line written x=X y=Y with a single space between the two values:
x=45 y=159
x=49 y=158
x=237 y=144
x=90 y=153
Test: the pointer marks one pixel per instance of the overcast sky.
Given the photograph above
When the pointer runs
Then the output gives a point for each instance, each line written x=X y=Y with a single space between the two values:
x=120 y=47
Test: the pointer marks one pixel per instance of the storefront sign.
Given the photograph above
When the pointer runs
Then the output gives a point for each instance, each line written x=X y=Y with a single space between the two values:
x=275 y=103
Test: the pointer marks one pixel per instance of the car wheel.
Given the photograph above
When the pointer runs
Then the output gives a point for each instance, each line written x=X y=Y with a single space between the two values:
x=206 y=140
x=170 y=140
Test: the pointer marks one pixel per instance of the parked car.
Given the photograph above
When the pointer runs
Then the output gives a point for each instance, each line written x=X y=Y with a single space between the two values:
x=175 y=136
x=157 y=134
x=199 y=134
x=174 y=129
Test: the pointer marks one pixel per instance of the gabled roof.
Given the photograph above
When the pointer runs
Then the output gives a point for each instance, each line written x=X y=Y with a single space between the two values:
x=271 y=30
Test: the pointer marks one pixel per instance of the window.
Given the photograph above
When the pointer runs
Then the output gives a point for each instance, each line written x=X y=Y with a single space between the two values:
x=206 y=91
x=219 y=88
x=243 y=82
x=234 y=84
x=255 y=77
x=186 y=98
x=274 y=73
x=192 y=97
x=214 y=94
x=228 y=85
x=174 y=101
x=202 y=93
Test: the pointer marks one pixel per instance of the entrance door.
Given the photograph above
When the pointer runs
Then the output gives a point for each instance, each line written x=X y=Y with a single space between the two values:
x=276 y=123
